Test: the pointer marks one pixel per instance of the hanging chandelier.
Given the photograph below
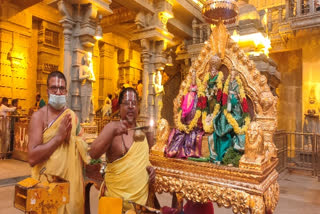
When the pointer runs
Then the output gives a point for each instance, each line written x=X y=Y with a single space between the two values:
x=215 y=11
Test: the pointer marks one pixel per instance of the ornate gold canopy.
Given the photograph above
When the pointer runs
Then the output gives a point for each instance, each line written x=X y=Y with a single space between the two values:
x=215 y=11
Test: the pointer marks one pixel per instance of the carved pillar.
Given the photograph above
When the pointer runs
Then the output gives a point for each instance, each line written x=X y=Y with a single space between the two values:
x=311 y=5
x=67 y=33
x=280 y=14
x=201 y=29
x=67 y=24
x=194 y=31
x=298 y=7
x=79 y=23
x=145 y=77
x=108 y=62
x=269 y=14
x=287 y=9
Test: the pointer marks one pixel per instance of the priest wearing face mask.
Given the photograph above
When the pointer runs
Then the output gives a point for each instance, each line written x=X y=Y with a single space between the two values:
x=56 y=148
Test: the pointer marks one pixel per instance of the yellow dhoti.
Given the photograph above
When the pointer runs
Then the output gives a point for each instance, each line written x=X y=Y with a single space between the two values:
x=66 y=163
x=127 y=177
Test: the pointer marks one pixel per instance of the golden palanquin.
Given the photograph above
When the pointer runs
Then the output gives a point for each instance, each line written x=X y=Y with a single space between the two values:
x=251 y=186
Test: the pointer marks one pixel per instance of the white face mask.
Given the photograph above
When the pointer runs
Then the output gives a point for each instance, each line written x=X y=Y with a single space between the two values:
x=57 y=101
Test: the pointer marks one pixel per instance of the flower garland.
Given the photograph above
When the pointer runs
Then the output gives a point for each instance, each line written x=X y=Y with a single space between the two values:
x=234 y=123
x=225 y=92
x=209 y=127
x=244 y=104
x=193 y=123
x=200 y=108
x=243 y=98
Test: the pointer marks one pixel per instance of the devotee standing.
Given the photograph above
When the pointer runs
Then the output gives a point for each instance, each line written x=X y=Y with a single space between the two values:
x=4 y=127
x=139 y=89
x=4 y=108
x=107 y=107
x=39 y=102
x=128 y=171
x=115 y=104
x=55 y=147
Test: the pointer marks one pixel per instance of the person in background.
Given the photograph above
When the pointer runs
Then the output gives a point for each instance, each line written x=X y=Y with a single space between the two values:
x=126 y=85
x=139 y=89
x=115 y=104
x=4 y=108
x=107 y=106
x=5 y=127
x=14 y=103
x=39 y=102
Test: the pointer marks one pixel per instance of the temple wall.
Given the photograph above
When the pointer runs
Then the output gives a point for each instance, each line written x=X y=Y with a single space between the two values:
x=289 y=90
x=308 y=43
x=119 y=62
x=31 y=46
x=265 y=4
x=29 y=51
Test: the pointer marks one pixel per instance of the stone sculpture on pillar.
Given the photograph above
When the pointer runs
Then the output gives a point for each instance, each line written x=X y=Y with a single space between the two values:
x=311 y=120
x=86 y=76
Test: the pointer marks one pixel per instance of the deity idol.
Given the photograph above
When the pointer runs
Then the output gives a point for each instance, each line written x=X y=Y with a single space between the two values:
x=213 y=90
x=231 y=122
x=185 y=140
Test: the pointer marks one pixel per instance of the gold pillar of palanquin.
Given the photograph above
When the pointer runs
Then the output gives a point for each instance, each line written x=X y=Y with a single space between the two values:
x=253 y=186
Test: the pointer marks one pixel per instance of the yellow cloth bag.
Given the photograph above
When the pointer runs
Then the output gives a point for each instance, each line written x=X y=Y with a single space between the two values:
x=127 y=176
x=66 y=163
x=109 y=205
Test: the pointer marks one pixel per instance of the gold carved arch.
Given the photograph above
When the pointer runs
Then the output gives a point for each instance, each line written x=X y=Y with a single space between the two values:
x=233 y=57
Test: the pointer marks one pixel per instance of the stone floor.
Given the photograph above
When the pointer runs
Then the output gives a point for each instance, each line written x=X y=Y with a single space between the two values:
x=298 y=193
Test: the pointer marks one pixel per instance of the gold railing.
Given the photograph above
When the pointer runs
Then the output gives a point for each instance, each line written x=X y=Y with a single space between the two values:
x=298 y=151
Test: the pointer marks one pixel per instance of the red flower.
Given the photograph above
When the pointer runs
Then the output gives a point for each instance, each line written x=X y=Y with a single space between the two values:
x=224 y=99
x=245 y=105
x=219 y=95
x=202 y=102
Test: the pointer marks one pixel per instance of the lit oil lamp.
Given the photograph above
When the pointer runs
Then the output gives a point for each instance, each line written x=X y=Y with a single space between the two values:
x=151 y=124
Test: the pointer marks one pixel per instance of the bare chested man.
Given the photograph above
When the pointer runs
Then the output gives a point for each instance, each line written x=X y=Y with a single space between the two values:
x=128 y=170
x=54 y=148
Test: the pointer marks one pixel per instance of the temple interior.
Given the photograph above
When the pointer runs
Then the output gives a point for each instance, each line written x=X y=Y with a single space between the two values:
x=158 y=47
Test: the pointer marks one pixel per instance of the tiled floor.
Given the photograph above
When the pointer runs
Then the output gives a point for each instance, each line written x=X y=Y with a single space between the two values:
x=298 y=193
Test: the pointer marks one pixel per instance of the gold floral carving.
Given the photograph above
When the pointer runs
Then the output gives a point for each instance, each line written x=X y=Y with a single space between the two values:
x=238 y=200
x=163 y=132
x=271 y=197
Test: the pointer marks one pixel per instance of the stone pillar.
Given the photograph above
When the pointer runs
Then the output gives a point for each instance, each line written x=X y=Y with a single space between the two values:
x=280 y=14
x=311 y=6
x=269 y=15
x=287 y=9
x=67 y=33
x=194 y=31
x=67 y=24
x=201 y=29
x=145 y=77
x=108 y=62
x=298 y=7
x=79 y=23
